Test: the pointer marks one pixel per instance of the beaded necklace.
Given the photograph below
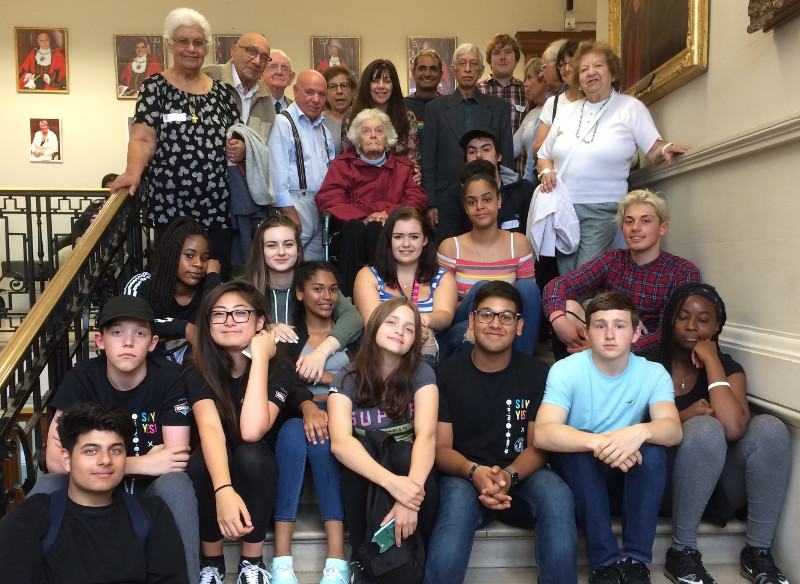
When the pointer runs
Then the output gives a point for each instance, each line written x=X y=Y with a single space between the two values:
x=580 y=121
x=414 y=294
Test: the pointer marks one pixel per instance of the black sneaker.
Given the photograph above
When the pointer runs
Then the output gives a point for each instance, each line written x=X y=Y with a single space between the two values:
x=253 y=573
x=636 y=572
x=211 y=574
x=611 y=574
x=686 y=567
x=757 y=565
x=357 y=574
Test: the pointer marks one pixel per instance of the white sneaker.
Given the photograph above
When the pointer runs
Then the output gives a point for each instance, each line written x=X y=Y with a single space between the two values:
x=210 y=575
x=252 y=574
x=335 y=572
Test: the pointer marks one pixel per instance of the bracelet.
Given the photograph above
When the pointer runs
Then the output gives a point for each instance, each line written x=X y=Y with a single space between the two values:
x=323 y=352
x=544 y=172
x=218 y=489
x=718 y=384
x=664 y=149
x=472 y=470
x=558 y=316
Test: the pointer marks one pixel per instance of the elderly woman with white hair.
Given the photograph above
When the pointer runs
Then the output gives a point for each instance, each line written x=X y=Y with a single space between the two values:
x=363 y=185
x=178 y=135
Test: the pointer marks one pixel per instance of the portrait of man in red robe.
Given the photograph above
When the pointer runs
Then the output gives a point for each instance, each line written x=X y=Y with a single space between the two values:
x=44 y=65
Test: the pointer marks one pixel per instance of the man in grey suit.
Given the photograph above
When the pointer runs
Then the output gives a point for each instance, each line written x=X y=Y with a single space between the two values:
x=449 y=117
x=249 y=57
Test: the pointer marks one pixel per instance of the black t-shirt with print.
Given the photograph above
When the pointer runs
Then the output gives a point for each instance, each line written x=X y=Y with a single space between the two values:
x=159 y=400
x=279 y=387
x=490 y=411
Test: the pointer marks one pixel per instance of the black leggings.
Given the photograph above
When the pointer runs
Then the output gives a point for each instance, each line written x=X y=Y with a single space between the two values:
x=356 y=248
x=354 y=494
x=254 y=475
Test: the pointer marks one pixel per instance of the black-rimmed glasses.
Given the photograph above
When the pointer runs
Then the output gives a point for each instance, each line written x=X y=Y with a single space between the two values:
x=240 y=315
x=485 y=316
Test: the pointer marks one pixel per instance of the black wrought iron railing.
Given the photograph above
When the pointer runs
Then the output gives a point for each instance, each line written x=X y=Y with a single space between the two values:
x=48 y=294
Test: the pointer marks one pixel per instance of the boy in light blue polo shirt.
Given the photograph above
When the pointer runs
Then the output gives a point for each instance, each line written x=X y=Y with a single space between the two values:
x=593 y=418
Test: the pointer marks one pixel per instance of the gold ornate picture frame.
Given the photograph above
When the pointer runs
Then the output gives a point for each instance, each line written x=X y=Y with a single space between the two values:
x=136 y=57
x=41 y=59
x=662 y=45
x=347 y=49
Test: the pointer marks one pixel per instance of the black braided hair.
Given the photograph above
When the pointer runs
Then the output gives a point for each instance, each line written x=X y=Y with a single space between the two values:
x=164 y=263
x=674 y=305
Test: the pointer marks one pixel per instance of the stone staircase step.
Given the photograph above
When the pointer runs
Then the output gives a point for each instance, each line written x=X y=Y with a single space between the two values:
x=503 y=548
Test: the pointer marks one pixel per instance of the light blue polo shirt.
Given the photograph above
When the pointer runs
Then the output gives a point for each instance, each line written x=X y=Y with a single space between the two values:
x=599 y=403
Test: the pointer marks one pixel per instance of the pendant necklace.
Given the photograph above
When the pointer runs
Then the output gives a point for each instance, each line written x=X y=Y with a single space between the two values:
x=414 y=293
x=192 y=109
x=580 y=121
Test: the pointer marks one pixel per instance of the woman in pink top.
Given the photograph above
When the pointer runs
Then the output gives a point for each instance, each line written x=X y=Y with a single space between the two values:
x=488 y=253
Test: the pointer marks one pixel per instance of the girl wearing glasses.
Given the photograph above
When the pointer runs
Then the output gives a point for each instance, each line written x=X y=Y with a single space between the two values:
x=237 y=387
x=181 y=273
x=488 y=253
x=405 y=266
x=388 y=388
x=316 y=290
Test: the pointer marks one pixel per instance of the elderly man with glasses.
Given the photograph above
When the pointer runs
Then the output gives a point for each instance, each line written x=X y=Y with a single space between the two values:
x=449 y=117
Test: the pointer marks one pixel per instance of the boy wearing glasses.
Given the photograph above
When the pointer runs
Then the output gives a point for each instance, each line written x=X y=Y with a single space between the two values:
x=607 y=416
x=151 y=391
x=489 y=467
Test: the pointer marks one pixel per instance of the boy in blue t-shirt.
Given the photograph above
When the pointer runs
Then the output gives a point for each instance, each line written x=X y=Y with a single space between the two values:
x=592 y=419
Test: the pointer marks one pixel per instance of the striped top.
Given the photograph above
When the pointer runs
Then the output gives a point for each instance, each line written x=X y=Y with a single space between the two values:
x=469 y=272
x=423 y=305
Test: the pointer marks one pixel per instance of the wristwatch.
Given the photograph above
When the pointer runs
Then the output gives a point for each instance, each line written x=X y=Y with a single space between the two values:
x=472 y=470
x=514 y=476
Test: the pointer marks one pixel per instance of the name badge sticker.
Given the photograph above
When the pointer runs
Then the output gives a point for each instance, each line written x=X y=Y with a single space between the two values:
x=519 y=108
x=174 y=117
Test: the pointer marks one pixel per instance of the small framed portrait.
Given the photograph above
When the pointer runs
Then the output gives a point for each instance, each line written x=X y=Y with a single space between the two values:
x=445 y=47
x=45 y=140
x=41 y=59
x=222 y=47
x=136 y=57
x=327 y=51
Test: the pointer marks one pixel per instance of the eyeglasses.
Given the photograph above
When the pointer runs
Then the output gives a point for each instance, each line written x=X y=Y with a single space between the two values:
x=252 y=52
x=239 y=315
x=473 y=64
x=335 y=86
x=486 y=316
x=183 y=44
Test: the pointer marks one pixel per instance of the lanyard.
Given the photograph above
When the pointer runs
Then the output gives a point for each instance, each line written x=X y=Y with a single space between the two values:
x=414 y=294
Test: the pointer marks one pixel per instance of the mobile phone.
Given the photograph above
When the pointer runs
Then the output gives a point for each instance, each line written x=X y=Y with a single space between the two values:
x=384 y=537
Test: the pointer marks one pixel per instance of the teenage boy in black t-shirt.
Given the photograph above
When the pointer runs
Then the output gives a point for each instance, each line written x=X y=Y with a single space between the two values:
x=488 y=399
x=151 y=391
x=94 y=535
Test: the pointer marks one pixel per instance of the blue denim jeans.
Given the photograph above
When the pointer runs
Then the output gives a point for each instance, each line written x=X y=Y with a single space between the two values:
x=542 y=501
x=453 y=340
x=595 y=486
x=291 y=450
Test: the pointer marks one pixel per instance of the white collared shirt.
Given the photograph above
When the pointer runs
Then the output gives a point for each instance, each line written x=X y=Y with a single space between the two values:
x=247 y=98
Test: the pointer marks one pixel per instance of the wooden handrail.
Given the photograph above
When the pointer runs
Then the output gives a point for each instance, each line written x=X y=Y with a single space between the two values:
x=25 y=334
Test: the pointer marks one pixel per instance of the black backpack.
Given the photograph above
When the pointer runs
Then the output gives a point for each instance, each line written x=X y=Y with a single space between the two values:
x=58 y=505
x=397 y=565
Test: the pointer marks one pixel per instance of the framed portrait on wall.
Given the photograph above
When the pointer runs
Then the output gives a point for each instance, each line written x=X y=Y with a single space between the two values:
x=45 y=143
x=445 y=46
x=222 y=47
x=136 y=57
x=41 y=55
x=662 y=45
x=327 y=51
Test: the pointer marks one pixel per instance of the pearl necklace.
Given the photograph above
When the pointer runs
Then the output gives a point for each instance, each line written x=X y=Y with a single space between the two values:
x=580 y=121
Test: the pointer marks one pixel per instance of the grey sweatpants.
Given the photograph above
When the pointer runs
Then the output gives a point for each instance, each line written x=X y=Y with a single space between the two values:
x=754 y=470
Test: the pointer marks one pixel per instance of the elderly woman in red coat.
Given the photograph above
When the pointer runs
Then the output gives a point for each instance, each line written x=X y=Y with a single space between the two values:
x=363 y=185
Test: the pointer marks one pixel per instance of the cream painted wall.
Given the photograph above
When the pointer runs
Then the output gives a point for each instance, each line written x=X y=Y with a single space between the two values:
x=734 y=204
x=94 y=121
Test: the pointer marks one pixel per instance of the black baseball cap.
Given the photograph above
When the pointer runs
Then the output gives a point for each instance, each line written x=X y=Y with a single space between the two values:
x=479 y=133
x=125 y=307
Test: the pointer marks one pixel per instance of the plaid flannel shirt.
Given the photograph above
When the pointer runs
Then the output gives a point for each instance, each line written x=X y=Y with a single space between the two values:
x=513 y=93
x=649 y=286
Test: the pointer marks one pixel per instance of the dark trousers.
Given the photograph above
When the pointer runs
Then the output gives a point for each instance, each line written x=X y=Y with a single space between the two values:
x=254 y=475
x=356 y=247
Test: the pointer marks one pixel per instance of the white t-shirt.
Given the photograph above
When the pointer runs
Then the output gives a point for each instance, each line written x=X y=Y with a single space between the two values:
x=599 y=169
